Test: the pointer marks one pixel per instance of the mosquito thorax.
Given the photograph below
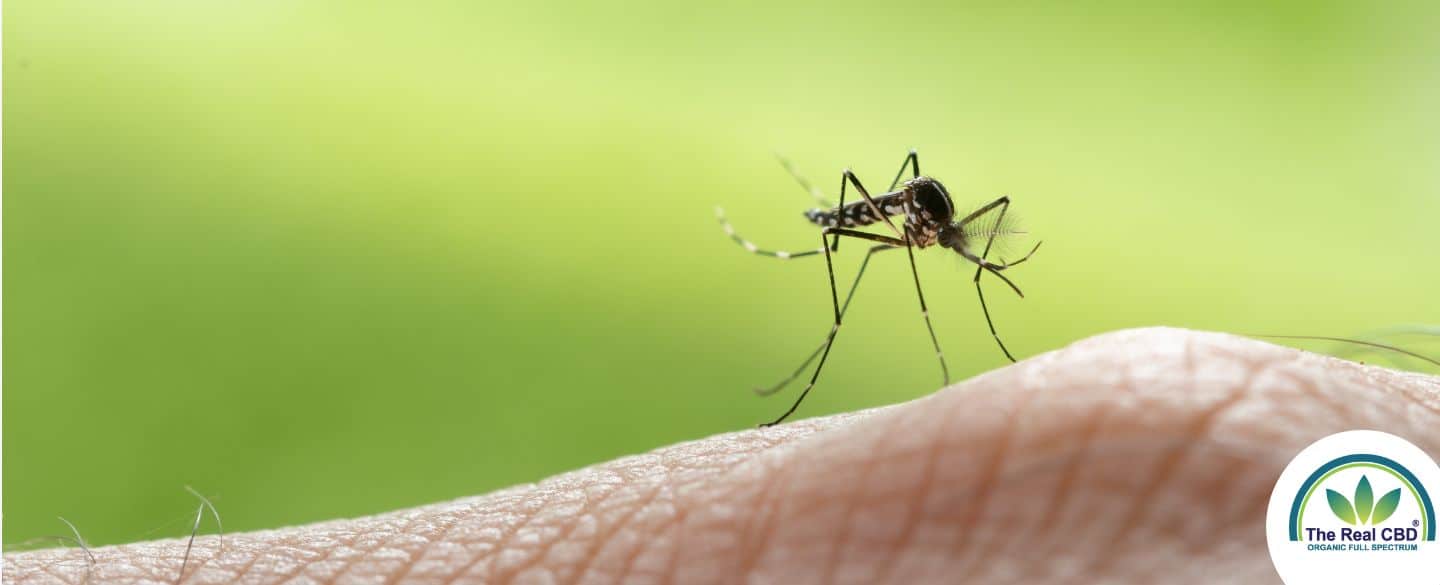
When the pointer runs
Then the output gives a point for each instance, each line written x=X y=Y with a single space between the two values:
x=930 y=199
x=927 y=210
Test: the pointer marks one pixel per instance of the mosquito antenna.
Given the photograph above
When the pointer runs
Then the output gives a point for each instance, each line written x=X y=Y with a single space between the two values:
x=80 y=540
x=1415 y=355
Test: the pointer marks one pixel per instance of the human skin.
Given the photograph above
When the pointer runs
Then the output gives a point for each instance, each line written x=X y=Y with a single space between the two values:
x=1133 y=457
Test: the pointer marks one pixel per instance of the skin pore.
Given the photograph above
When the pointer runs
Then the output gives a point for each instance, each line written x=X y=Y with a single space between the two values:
x=1132 y=457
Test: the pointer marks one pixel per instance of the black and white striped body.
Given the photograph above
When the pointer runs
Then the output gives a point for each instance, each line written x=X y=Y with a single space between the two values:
x=858 y=213
x=923 y=201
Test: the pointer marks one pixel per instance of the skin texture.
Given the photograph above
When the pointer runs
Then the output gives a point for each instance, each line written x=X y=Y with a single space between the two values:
x=1133 y=457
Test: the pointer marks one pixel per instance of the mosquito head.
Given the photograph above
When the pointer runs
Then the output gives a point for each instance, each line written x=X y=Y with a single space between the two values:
x=953 y=237
x=930 y=199
x=984 y=236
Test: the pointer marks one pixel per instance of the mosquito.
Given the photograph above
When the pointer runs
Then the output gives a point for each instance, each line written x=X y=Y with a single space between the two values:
x=929 y=220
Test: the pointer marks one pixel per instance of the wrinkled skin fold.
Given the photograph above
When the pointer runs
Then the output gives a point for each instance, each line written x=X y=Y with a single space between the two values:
x=1132 y=457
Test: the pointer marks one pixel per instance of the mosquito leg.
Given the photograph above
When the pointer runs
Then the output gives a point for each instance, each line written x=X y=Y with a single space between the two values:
x=925 y=312
x=1027 y=256
x=850 y=177
x=849 y=233
x=981 y=293
x=984 y=209
x=912 y=160
x=840 y=210
x=748 y=245
x=1004 y=204
x=835 y=304
x=996 y=271
x=804 y=183
x=993 y=268
x=843 y=307
x=829 y=337
x=847 y=179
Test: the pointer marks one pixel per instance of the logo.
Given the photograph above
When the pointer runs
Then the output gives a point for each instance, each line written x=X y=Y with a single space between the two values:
x=1362 y=509
x=1355 y=505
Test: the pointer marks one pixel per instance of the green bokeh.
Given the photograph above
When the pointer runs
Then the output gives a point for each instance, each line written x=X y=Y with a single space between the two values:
x=329 y=259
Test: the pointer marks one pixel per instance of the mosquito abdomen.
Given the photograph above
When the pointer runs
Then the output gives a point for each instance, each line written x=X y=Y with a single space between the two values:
x=857 y=213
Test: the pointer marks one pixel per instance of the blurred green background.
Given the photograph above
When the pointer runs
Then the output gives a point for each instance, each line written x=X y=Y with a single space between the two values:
x=325 y=259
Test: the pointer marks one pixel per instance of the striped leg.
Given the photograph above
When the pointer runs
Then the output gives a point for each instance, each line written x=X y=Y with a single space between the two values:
x=748 y=245
x=804 y=183
x=844 y=307
x=835 y=304
x=925 y=312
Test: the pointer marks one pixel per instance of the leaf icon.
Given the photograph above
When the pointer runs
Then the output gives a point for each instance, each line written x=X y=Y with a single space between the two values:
x=1364 y=500
x=1340 y=506
x=1386 y=506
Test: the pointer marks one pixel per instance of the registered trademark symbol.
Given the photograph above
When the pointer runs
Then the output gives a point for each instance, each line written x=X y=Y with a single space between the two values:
x=1414 y=522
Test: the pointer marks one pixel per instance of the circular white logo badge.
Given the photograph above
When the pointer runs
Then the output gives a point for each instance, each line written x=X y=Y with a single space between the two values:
x=1356 y=507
